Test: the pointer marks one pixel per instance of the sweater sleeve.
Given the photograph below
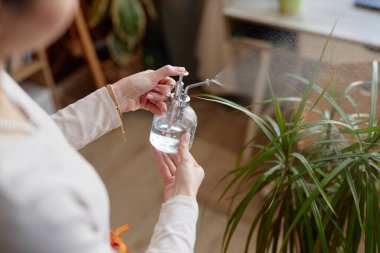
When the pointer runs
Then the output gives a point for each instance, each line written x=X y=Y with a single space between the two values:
x=88 y=118
x=176 y=228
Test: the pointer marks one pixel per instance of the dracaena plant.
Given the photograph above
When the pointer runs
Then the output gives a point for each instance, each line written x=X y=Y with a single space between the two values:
x=323 y=194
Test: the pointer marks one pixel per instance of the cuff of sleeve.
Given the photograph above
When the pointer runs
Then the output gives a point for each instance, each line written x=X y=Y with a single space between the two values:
x=176 y=227
x=182 y=201
x=110 y=107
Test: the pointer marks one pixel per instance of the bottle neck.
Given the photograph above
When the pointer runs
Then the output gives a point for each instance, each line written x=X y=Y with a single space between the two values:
x=182 y=102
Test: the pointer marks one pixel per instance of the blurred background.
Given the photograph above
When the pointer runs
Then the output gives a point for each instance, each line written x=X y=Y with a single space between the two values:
x=238 y=42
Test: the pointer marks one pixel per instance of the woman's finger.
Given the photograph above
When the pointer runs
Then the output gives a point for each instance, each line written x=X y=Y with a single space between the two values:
x=183 y=148
x=161 y=106
x=176 y=159
x=164 y=89
x=156 y=108
x=166 y=81
x=169 y=164
x=168 y=70
x=156 y=97
x=162 y=166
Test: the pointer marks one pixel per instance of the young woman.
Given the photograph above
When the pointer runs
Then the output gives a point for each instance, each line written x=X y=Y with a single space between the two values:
x=51 y=199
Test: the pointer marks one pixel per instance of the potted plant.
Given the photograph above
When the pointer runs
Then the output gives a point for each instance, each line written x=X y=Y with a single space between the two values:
x=290 y=6
x=323 y=175
x=129 y=21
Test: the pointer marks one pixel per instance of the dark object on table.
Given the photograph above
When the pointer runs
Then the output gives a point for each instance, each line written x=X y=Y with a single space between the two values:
x=372 y=4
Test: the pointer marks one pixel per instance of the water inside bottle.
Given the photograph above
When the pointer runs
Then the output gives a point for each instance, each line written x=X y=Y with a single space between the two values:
x=166 y=138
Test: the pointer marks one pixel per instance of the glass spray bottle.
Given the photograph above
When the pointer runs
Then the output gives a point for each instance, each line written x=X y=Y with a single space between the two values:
x=180 y=118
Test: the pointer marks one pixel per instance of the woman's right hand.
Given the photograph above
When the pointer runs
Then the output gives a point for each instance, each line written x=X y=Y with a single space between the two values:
x=182 y=175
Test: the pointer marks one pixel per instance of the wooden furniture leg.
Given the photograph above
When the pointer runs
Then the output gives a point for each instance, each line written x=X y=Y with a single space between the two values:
x=48 y=76
x=259 y=92
x=89 y=50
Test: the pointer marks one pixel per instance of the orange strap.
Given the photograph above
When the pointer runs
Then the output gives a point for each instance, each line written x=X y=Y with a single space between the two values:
x=116 y=241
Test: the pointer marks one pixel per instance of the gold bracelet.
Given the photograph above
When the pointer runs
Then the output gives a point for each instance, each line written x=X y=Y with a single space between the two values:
x=112 y=93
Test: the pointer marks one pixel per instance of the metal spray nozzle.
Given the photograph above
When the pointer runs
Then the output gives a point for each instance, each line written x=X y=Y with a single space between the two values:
x=179 y=87
x=181 y=93
x=206 y=82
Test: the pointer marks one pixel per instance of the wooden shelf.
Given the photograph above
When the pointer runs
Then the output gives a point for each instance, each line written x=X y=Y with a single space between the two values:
x=41 y=64
x=26 y=71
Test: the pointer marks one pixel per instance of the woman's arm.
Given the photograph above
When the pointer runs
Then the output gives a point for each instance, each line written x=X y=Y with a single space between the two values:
x=176 y=229
x=88 y=118
x=95 y=115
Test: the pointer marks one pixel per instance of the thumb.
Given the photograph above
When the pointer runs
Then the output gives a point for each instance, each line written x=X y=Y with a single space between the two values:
x=183 y=147
x=169 y=70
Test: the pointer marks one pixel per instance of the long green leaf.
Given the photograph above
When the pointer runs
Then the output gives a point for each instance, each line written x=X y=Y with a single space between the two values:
x=354 y=195
x=317 y=123
x=239 y=211
x=368 y=131
x=376 y=208
x=369 y=215
x=353 y=103
x=269 y=101
x=263 y=209
x=330 y=99
x=246 y=171
x=302 y=159
x=374 y=85
x=317 y=217
x=352 y=85
x=309 y=229
x=313 y=195
x=348 y=155
x=352 y=238
x=266 y=226
x=323 y=92
x=260 y=123
x=309 y=89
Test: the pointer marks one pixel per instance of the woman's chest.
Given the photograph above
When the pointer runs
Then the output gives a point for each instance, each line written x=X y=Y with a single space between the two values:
x=45 y=162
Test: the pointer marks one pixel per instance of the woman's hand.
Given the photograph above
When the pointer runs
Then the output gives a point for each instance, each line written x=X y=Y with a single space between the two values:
x=147 y=90
x=181 y=173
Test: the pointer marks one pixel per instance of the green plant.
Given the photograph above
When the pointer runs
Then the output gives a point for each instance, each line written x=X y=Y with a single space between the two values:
x=290 y=6
x=129 y=24
x=323 y=194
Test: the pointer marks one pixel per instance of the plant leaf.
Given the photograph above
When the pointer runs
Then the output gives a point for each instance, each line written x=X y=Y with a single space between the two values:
x=369 y=215
x=129 y=21
x=317 y=217
x=240 y=209
x=97 y=12
x=323 y=92
x=354 y=195
x=150 y=9
x=374 y=85
x=307 y=166
x=118 y=49
x=260 y=122
x=313 y=195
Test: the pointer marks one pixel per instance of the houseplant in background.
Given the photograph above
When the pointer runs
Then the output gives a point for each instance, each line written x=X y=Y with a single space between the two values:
x=323 y=175
x=129 y=23
x=290 y=6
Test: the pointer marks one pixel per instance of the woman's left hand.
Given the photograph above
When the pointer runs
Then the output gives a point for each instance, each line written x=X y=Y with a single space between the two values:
x=147 y=90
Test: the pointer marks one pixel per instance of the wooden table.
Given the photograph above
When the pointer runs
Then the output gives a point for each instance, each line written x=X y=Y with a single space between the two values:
x=318 y=17
x=353 y=24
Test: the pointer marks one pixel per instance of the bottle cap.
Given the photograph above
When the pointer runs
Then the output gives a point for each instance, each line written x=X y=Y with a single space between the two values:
x=182 y=101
